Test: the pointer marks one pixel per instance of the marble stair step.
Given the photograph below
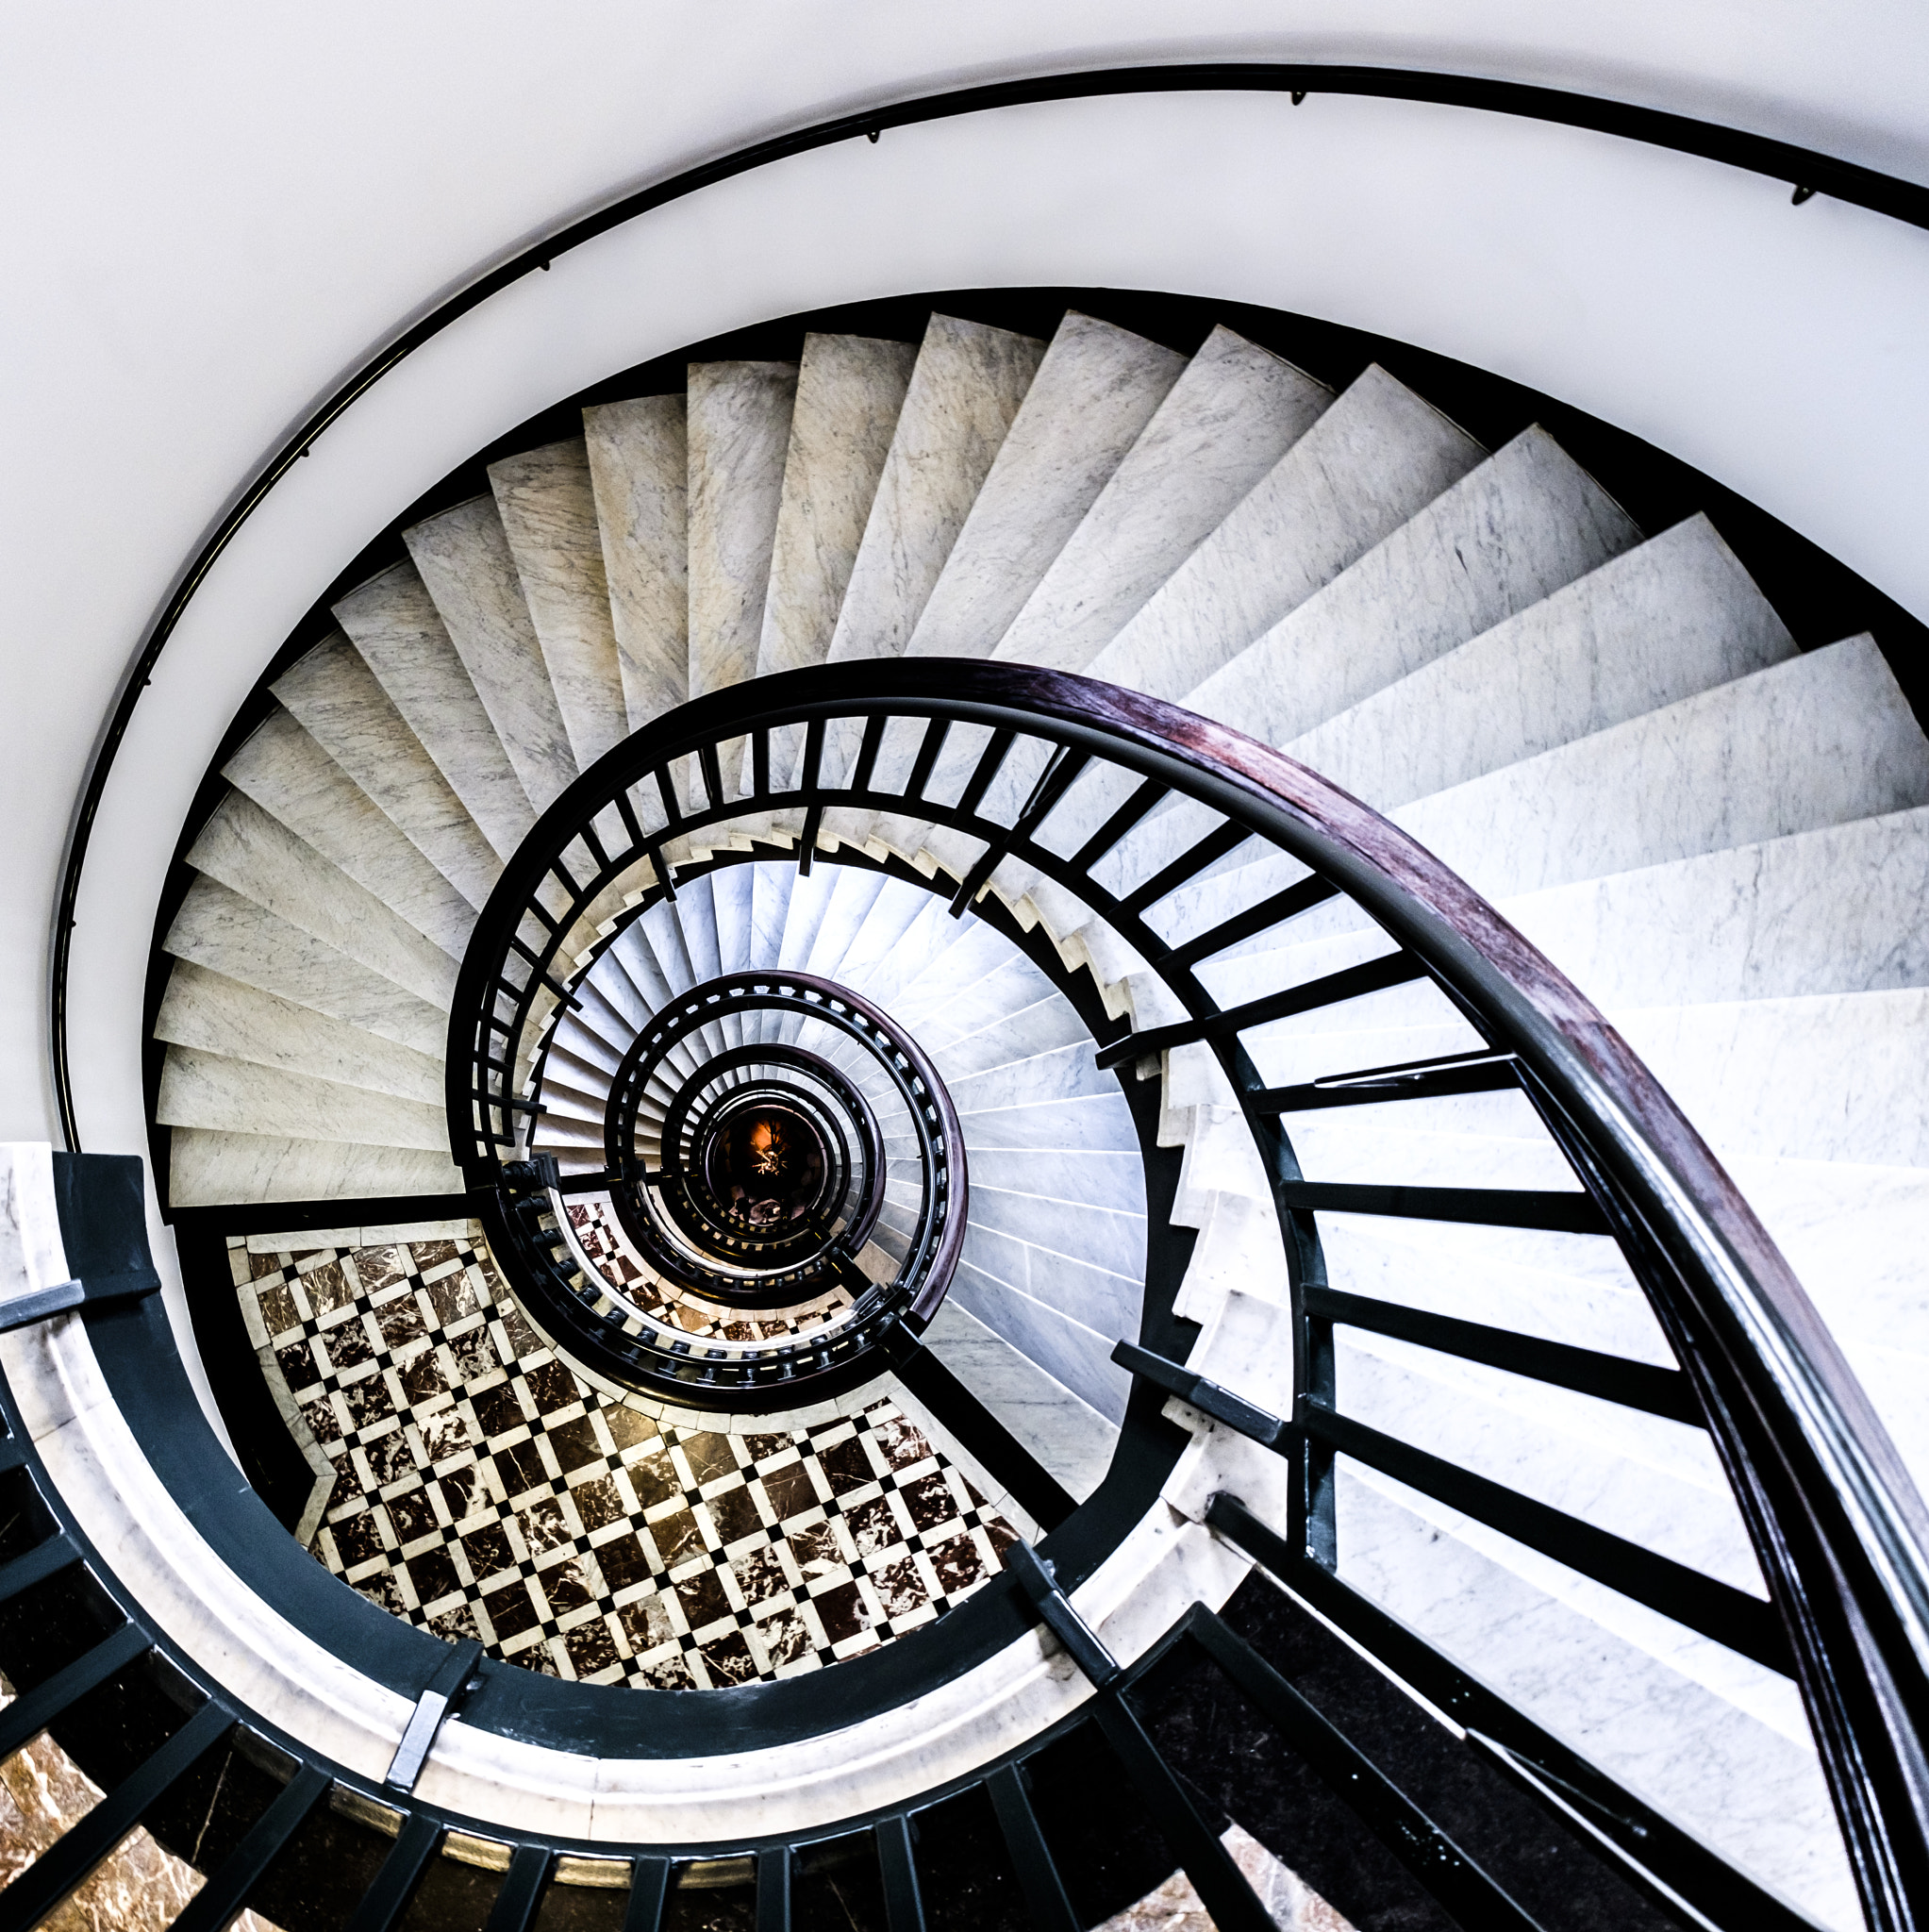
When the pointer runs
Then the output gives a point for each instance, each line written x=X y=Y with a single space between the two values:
x=1084 y=1259
x=1072 y=1439
x=1047 y=1025
x=1657 y=1482
x=292 y=779
x=1819 y=740
x=851 y=900
x=732 y=890
x=215 y=1015
x=638 y=456
x=1505 y=537
x=965 y=388
x=1374 y=461
x=548 y=509
x=739 y=428
x=1232 y=414
x=394 y=622
x=1714 y=1740
x=1338 y=1146
x=1095 y=1123
x=850 y=391
x=1656 y=625
x=241 y=939
x=258 y=856
x=464 y=558
x=210 y=1169
x=204 y=1090
x=770 y=902
x=1072 y=1355
x=883 y=932
x=1094 y=392
x=335 y=697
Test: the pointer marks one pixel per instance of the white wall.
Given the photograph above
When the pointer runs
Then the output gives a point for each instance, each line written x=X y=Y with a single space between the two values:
x=215 y=210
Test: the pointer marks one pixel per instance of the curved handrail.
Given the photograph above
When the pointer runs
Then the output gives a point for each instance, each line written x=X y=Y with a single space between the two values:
x=1837 y=1525
x=1807 y=170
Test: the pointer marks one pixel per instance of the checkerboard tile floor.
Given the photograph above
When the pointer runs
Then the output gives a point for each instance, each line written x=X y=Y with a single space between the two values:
x=604 y=1239
x=484 y=1490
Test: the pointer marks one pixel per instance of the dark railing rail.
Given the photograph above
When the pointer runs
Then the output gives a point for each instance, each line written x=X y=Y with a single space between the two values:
x=1835 y=1525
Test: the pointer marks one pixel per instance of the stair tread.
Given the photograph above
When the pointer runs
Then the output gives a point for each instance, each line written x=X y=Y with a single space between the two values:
x=205 y=1089
x=463 y=559
x=638 y=470
x=965 y=388
x=740 y=425
x=400 y=634
x=1225 y=422
x=548 y=510
x=1374 y=461
x=850 y=390
x=292 y=779
x=1094 y=392
x=208 y=1169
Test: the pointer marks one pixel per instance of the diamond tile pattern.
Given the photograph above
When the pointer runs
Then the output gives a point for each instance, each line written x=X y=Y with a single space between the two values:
x=482 y=1490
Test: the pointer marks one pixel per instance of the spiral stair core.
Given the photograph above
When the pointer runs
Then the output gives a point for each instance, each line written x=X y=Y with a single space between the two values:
x=1023 y=1169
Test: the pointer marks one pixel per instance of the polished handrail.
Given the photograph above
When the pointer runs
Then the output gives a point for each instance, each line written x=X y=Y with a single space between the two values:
x=1835 y=1520
x=1808 y=170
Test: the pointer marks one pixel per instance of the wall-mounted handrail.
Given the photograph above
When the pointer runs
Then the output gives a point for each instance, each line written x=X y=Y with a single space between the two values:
x=1808 y=171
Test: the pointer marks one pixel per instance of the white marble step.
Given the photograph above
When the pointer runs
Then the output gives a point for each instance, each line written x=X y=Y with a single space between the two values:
x=850 y=390
x=1655 y=1482
x=1374 y=461
x=739 y=428
x=639 y=471
x=972 y=984
x=1094 y=392
x=931 y=934
x=804 y=912
x=882 y=933
x=290 y=777
x=1816 y=741
x=464 y=558
x=1838 y=910
x=1657 y=624
x=854 y=892
x=1715 y=1741
x=335 y=697
x=1049 y=1024
x=548 y=510
x=732 y=890
x=204 y=1090
x=1832 y=1077
x=258 y=856
x=1065 y=1349
x=769 y=905
x=217 y=1015
x=394 y=622
x=964 y=392
x=1506 y=538
x=1084 y=1258
x=1072 y=1441
x=240 y=939
x=1225 y=423
x=211 y=1170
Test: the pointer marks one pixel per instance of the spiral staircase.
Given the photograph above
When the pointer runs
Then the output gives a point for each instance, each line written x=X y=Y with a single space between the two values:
x=1035 y=917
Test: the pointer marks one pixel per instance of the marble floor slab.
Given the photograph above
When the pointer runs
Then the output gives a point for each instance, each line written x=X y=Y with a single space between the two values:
x=484 y=1490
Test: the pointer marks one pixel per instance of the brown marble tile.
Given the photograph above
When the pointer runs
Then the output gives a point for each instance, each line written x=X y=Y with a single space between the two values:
x=958 y=1564
x=413 y=1515
x=708 y=1455
x=464 y=1491
x=432 y=1254
x=521 y=1468
x=378 y=1267
x=667 y=1673
x=899 y=1590
x=841 y=1610
x=702 y=1600
x=510 y=1611
x=846 y=1465
x=626 y=1427
x=576 y=1443
x=654 y=1480
x=390 y=1458
x=433 y=1573
x=421 y=1377
x=359 y=1538
x=623 y=1562
x=567 y=1586
x=677 y=1537
x=786 y=1637
x=453 y=1297
x=728 y=1659
x=400 y=1321
x=759 y=1574
x=278 y=1311
x=368 y=1401
x=873 y=1527
x=489 y=1552
x=473 y=1355
x=734 y=1513
x=553 y=1386
x=498 y=1410
x=646 y=1623
x=327 y=1288
x=446 y=1432
x=298 y=1368
x=790 y=1491
x=590 y=1647
x=599 y=1502
x=900 y=1441
x=544 y=1526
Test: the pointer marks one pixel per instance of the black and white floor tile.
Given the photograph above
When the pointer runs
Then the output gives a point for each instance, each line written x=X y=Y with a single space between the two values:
x=483 y=1489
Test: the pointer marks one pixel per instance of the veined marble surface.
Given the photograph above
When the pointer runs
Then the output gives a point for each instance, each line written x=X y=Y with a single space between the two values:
x=740 y=429
x=965 y=388
x=395 y=625
x=32 y=1254
x=1377 y=457
x=258 y=856
x=850 y=390
x=1072 y=1439
x=1819 y=740
x=640 y=469
x=207 y=1168
x=1230 y=417
x=463 y=556
x=1674 y=618
x=1510 y=533
x=1094 y=392
x=218 y=1015
x=205 y=1090
x=240 y=939
x=334 y=696
x=548 y=509
x=1834 y=910
x=290 y=777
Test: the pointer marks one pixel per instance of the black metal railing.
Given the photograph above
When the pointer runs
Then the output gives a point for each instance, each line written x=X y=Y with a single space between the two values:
x=1017 y=775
